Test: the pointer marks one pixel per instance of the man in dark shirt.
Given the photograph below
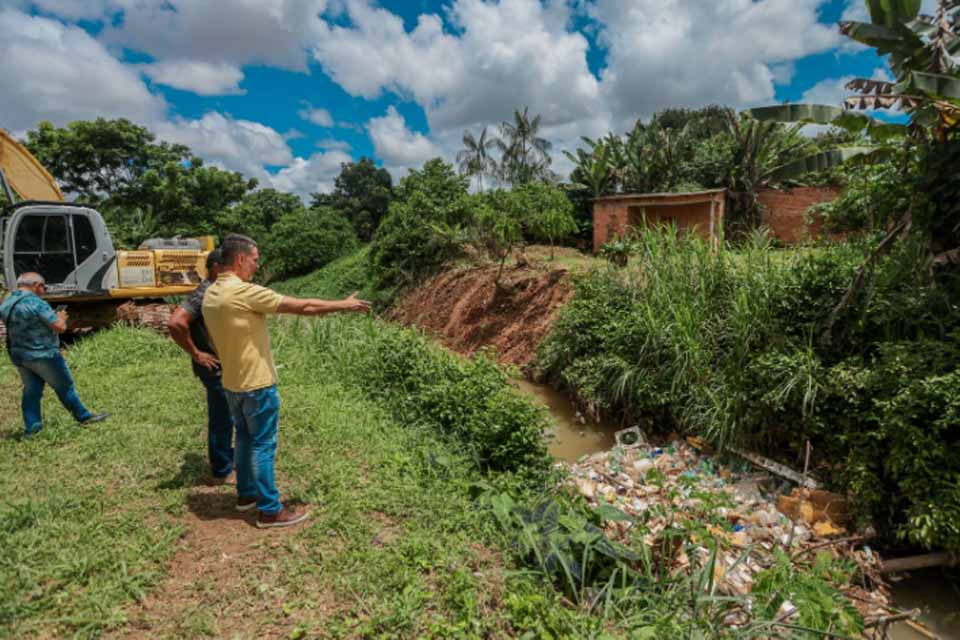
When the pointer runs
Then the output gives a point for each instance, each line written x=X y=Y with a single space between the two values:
x=189 y=331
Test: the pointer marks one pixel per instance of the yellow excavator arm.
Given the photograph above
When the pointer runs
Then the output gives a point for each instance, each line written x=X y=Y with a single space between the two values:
x=24 y=173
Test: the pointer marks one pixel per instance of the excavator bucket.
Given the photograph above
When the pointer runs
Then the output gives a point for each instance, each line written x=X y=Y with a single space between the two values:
x=24 y=173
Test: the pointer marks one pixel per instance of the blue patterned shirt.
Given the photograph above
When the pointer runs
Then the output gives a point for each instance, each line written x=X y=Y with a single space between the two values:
x=31 y=337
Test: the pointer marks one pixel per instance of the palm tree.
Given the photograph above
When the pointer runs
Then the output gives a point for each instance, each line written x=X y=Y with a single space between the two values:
x=475 y=159
x=525 y=155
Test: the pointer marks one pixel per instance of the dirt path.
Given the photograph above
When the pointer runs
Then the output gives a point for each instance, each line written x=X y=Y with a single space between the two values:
x=223 y=580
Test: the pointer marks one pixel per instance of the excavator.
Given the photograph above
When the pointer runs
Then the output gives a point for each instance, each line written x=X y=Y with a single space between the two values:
x=70 y=246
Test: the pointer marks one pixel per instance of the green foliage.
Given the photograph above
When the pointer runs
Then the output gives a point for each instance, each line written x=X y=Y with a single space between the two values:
x=97 y=159
x=305 y=240
x=545 y=211
x=469 y=402
x=257 y=212
x=336 y=280
x=496 y=230
x=143 y=188
x=362 y=193
x=524 y=155
x=425 y=227
x=818 y=604
x=724 y=345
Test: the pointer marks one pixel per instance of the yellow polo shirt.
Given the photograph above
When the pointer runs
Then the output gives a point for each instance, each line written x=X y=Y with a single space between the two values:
x=235 y=313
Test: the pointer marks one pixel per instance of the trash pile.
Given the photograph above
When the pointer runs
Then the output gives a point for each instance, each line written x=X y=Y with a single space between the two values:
x=746 y=511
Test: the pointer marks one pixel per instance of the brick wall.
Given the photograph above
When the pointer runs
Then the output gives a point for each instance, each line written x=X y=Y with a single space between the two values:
x=784 y=211
x=686 y=217
x=609 y=221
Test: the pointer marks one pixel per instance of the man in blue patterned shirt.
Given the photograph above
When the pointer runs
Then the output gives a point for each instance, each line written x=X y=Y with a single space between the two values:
x=34 y=349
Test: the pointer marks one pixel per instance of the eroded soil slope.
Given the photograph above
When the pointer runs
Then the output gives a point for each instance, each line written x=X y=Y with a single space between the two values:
x=466 y=310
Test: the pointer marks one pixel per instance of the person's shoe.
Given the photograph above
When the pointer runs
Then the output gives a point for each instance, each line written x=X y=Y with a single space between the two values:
x=96 y=417
x=245 y=504
x=286 y=517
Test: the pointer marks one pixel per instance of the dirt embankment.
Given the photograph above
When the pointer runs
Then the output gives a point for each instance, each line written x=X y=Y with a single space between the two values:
x=466 y=310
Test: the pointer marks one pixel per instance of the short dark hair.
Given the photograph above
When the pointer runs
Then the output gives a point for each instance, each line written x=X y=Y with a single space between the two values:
x=235 y=245
x=214 y=259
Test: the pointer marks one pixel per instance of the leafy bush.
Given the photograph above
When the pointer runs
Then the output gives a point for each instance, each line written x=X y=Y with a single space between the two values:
x=424 y=228
x=728 y=345
x=305 y=240
x=468 y=401
x=338 y=279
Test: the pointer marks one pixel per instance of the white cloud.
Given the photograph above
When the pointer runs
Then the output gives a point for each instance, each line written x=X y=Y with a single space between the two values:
x=399 y=147
x=311 y=175
x=237 y=145
x=52 y=71
x=506 y=55
x=202 y=78
x=333 y=145
x=316 y=115
x=695 y=52
x=270 y=32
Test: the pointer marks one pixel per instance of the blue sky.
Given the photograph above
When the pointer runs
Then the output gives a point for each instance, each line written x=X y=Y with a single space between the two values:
x=286 y=90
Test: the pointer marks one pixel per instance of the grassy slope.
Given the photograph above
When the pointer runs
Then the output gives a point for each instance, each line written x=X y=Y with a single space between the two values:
x=92 y=516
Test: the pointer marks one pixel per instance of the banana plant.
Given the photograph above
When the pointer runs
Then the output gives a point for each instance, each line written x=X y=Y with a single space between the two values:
x=593 y=170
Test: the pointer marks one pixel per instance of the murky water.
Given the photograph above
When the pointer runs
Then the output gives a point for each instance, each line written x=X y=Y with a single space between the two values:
x=571 y=438
x=937 y=596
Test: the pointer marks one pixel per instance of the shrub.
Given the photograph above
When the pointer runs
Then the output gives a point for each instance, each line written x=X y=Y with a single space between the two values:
x=424 y=228
x=468 y=401
x=305 y=240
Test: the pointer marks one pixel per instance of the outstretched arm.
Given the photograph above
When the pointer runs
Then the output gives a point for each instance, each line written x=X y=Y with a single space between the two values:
x=317 y=307
x=179 y=326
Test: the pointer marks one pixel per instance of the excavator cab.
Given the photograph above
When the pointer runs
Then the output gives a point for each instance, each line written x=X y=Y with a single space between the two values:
x=69 y=245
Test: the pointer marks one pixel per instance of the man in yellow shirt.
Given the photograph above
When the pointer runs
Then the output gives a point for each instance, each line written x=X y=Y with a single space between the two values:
x=235 y=312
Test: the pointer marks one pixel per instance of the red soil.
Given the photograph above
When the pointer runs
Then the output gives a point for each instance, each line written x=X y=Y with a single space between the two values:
x=466 y=310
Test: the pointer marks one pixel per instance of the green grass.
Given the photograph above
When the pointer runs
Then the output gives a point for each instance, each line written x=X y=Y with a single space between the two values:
x=92 y=517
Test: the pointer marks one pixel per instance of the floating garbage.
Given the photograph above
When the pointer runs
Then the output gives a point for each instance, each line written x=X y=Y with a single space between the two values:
x=661 y=488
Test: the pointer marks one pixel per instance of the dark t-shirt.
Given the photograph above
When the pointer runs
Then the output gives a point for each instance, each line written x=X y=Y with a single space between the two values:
x=198 y=330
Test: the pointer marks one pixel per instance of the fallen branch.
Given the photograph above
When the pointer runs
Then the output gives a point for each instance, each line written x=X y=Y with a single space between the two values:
x=883 y=620
x=859 y=280
x=922 y=630
x=828 y=543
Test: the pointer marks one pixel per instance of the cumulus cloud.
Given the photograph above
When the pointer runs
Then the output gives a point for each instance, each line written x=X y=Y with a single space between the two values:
x=505 y=55
x=318 y=116
x=237 y=145
x=695 y=52
x=333 y=144
x=398 y=146
x=202 y=78
x=270 y=32
x=52 y=71
x=315 y=174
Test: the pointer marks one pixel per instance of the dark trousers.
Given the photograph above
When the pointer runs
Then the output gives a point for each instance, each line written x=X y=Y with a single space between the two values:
x=220 y=427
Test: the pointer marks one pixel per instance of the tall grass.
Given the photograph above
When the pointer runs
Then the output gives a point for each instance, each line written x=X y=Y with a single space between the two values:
x=666 y=334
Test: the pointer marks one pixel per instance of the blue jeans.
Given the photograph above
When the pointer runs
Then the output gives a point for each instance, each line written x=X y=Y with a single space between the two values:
x=257 y=414
x=54 y=372
x=219 y=428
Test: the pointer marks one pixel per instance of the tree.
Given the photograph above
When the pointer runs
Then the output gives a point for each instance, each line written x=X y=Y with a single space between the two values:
x=425 y=227
x=524 y=155
x=99 y=159
x=496 y=231
x=545 y=212
x=181 y=199
x=257 y=212
x=303 y=240
x=362 y=193
x=475 y=159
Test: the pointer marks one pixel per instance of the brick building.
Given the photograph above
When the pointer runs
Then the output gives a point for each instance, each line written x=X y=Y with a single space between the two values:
x=704 y=212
